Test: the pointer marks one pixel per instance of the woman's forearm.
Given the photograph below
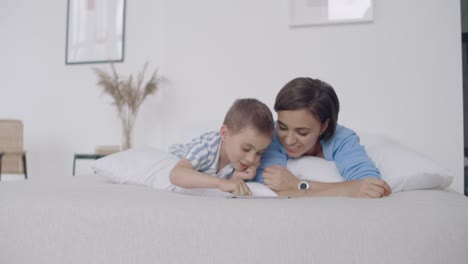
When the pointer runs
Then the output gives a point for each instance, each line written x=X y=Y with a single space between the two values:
x=318 y=189
x=366 y=188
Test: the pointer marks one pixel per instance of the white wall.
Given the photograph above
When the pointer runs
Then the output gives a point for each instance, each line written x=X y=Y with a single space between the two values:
x=398 y=76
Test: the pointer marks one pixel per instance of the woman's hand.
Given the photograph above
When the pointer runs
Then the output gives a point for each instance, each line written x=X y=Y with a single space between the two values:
x=367 y=188
x=278 y=178
x=235 y=186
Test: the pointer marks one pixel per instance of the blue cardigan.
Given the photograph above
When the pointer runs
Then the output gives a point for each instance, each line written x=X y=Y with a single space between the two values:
x=343 y=148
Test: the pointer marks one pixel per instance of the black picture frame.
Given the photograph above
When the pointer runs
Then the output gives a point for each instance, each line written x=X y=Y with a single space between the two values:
x=95 y=31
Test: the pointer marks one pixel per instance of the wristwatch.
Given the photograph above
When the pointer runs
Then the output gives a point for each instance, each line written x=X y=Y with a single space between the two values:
x=303 y=185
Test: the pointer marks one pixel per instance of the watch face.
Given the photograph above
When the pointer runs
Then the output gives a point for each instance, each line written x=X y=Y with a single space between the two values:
x=303 y=186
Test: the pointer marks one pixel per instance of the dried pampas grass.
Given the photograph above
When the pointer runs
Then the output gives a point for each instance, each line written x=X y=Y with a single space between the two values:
x=128 y=95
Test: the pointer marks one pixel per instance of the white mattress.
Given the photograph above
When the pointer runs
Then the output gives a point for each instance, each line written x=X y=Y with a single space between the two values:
x=86 y=220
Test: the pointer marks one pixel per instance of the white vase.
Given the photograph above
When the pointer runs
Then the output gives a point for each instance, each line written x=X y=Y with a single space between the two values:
x=127 y=137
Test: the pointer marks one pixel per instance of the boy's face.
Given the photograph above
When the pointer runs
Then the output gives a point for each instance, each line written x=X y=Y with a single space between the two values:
x=244 y=148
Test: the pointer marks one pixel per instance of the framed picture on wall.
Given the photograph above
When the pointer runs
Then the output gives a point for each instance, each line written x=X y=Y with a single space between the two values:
x=321 y=12
x=95 y=31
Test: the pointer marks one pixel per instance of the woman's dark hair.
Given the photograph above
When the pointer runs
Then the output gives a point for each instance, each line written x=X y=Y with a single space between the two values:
x=316 y=96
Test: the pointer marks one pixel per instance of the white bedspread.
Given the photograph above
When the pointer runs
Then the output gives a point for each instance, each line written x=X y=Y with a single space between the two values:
x=86 y=220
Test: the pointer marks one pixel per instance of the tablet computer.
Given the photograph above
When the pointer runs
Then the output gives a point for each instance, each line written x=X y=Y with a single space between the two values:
x=258 y=197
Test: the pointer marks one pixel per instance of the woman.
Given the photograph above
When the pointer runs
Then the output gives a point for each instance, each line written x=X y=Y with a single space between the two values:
x=307 y=126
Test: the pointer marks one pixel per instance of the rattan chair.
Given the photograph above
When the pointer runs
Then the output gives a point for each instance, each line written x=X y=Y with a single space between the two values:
x=12 y=154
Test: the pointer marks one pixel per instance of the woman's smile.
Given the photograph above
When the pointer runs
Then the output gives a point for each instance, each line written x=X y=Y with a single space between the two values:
x=292 y=149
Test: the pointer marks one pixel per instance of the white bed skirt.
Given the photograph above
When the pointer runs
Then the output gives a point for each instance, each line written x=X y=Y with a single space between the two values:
x=87 y=220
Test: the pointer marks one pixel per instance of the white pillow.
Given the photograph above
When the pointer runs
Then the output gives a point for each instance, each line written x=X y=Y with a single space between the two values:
x=151 y=167
x=405 y=169
x=314 y=169
x=260 y=189
x=142 y=166
x=402 y=168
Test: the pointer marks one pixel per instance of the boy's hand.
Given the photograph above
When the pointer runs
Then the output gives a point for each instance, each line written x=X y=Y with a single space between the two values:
x=235 y=186
x=246 y=174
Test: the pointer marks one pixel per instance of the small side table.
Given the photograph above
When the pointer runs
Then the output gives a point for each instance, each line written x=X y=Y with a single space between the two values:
x=85 y=156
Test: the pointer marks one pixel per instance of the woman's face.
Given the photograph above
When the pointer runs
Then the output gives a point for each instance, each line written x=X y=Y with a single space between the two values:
x=299 y=131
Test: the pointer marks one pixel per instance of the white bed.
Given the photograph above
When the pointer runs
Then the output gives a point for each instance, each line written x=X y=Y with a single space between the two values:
x=87 y=219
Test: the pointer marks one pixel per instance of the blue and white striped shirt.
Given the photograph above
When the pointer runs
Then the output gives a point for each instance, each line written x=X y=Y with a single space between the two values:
x=203 y=154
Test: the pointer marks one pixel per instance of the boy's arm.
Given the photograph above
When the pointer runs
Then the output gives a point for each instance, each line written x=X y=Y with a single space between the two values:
x=184 y=175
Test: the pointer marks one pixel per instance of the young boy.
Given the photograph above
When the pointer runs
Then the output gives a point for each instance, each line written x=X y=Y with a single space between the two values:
x=224 y=159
